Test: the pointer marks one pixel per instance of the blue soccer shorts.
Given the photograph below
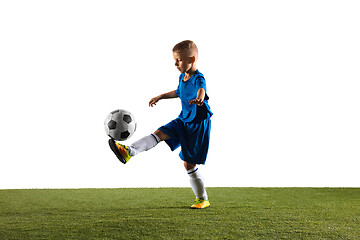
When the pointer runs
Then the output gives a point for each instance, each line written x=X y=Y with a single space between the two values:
x=193 y=137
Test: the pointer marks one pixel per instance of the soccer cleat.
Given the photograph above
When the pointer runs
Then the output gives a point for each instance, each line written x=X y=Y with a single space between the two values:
x=200 y=204
x=121 y=151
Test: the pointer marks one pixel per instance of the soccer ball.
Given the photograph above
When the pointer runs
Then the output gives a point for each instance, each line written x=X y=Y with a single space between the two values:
x=120 y=125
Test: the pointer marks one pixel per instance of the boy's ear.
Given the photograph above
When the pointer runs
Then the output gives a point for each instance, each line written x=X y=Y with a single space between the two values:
x=192 y=59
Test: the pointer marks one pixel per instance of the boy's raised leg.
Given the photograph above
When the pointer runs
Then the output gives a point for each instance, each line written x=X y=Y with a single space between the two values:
x=144 y=144
x=124 y=153
x=120 y=151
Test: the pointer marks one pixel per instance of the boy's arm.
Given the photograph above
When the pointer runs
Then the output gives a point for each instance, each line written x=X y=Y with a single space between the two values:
x=200 y=97
x=171 y=94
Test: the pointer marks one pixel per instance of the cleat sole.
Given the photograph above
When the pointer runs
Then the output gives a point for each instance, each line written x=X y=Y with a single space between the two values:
x=116 y=151
x=199 y=208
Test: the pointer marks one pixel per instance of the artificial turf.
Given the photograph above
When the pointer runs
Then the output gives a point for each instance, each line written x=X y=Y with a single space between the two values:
x=163 y=213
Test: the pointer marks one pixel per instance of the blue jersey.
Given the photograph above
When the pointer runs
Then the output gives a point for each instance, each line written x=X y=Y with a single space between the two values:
x=187 y=90
x=191 y=130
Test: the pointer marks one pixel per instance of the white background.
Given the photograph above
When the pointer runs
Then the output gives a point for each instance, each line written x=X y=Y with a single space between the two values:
x=283 y=79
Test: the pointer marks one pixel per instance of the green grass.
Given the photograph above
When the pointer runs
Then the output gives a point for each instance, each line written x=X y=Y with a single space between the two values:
x=235 y=213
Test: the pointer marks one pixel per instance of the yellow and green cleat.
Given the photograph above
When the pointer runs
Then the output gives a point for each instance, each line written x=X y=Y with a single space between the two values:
x=121 y=151
x=200 y=204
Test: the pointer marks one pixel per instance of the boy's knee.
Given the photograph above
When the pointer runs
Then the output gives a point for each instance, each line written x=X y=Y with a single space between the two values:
x=163 y=136
x=189 y=166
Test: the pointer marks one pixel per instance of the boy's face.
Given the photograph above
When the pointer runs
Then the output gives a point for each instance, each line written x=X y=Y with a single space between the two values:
x=183 y=61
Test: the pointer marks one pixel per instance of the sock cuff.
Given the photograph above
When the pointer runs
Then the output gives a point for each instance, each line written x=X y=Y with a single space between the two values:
x=156 y=137
x=191 y=171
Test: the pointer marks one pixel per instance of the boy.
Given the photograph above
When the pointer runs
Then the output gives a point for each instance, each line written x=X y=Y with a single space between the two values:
x=191 y=130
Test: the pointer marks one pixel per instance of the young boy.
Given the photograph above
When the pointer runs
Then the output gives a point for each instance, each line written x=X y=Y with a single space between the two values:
x=191 y=130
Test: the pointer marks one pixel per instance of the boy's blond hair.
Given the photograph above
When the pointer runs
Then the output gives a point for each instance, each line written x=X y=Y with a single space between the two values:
x=187 y=45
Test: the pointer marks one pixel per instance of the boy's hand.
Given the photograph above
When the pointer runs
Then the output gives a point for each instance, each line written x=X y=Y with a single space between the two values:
x=197 y=101
x=153 y=101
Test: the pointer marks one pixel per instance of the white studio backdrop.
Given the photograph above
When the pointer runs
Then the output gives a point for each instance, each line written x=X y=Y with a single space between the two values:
x=283 y=79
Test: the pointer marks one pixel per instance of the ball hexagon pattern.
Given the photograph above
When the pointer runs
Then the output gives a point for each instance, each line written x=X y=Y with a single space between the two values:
x=120 y=125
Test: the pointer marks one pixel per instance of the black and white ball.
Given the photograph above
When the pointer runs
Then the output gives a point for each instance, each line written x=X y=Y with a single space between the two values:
x=120 y=125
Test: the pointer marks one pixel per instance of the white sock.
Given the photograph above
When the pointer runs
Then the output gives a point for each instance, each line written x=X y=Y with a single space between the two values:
x=144 y=144
x=197 y=183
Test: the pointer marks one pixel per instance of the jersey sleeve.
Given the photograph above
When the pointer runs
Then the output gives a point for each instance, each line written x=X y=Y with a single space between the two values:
x=200 y=83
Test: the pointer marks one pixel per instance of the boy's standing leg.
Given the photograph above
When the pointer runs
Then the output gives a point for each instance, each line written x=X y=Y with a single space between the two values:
x=197 y=185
